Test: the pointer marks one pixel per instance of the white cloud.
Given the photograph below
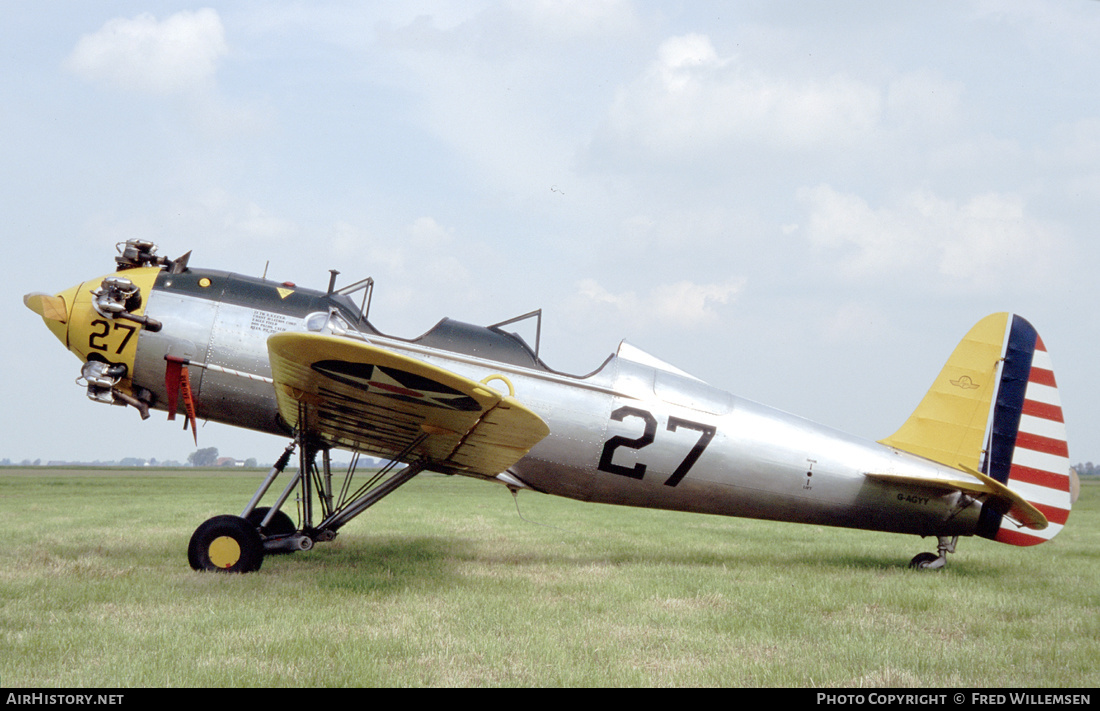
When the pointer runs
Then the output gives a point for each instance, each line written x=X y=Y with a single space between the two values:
x=223 y=221
x=986 y=240
x=691 y=100
x=683 y=304
x=426 y=233
x=848 y=323
x=1076 y=146
x=922 y=101
x=422 y=271
x=576 y=17
x=1072 y=27
x=177 y=55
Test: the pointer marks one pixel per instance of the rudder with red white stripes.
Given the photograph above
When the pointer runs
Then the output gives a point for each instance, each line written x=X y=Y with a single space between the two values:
x=1026 y=440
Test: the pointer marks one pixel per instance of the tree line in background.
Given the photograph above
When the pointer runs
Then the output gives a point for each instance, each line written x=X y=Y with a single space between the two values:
x=206 y=457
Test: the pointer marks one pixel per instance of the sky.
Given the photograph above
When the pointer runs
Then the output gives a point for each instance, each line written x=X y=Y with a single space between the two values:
x=806 y=204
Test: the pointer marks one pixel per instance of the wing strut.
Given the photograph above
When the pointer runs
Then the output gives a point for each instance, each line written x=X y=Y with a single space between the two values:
x=384 y=483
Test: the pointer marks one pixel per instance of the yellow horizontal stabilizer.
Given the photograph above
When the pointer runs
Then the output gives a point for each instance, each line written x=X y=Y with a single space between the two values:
x=369 y=399
x=1013 y=504
x=961 y=482
x=1019 y=509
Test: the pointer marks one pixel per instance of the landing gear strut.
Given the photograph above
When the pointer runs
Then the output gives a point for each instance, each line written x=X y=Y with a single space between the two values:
x=935 y=561
x=238 y=543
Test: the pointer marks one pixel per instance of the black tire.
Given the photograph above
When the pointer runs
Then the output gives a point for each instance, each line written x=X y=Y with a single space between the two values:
x=280 y=525
x=922 y=560
x=227 y=544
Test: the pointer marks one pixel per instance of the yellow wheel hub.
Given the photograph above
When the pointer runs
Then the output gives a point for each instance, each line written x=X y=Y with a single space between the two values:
x=224 y=552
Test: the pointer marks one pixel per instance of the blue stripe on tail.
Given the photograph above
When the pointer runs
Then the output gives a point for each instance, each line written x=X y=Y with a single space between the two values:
x=1006 y=414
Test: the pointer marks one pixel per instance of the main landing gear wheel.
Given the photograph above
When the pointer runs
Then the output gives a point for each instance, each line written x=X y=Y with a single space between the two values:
x=228 y=544
x=281 y=524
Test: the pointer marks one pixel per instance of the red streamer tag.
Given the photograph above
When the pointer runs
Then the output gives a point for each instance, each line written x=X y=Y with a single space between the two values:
x=172 y=384
x=176 y=381
x=188 y=402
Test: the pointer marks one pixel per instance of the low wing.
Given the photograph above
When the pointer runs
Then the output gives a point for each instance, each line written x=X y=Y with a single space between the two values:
x=1009 y=502
x=372 y=400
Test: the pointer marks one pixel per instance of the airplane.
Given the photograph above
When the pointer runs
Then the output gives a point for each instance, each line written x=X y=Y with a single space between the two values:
x=984 y=453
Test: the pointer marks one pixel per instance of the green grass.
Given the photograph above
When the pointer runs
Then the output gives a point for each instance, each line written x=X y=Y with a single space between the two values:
x=442 y=584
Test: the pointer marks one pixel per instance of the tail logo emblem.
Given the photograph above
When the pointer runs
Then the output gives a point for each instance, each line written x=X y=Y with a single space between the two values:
x=965 y=383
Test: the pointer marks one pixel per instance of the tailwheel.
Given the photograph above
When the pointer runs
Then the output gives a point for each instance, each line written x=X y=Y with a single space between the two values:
x=924 y=560
x=935 y=561
x=228 y=544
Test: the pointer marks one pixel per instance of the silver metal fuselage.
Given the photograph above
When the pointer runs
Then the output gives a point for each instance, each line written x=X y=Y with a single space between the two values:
x=631 y=433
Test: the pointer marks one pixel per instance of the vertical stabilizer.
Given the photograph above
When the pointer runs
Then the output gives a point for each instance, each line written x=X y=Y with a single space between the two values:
x=995 y=408
x=949 y=425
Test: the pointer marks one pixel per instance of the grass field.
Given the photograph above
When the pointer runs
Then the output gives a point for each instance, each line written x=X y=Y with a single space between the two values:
x=443 y=584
